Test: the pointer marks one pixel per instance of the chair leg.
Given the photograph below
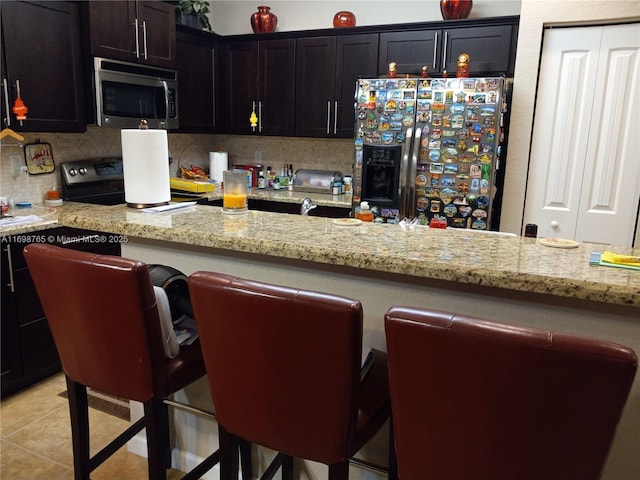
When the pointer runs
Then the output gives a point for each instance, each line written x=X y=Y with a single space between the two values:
x=393 y=459
x=158 y=447
x=245 y=459
x=79 y=413
x=339 y=471
x=287 y=468
x=228 y=454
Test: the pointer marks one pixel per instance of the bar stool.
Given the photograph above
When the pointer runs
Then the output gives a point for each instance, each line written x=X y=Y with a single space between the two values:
x=103 y=316
x=474 y=399
x=292 y=381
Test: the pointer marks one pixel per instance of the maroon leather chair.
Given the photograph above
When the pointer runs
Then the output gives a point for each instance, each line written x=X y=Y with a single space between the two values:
x=103 y=317
x=475 y=399
x=291 y=380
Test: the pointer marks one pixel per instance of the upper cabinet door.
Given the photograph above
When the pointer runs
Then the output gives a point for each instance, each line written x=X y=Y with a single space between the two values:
x=112 y=29
x=241 y=82
x=47 y=65
x=276 y=102
x=260 y=78
x=326 y=72
x=490 y=49
x=315 y=87
x=196 y=78
x=157 y=20
x=411 y=50
x=357 y=57
x=142 y=31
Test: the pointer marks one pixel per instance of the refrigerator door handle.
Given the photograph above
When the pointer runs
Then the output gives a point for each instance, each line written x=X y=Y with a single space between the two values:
x=404 y=174
x=435 y=49
x=411 y=174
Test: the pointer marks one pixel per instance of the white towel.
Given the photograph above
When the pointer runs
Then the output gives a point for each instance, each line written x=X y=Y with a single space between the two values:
x=169 y=340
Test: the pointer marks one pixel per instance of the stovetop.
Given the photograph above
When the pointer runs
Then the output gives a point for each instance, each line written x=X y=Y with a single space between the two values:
x=96 y=180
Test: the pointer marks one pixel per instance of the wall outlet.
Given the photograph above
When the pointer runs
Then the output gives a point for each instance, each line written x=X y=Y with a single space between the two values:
x=17 y=164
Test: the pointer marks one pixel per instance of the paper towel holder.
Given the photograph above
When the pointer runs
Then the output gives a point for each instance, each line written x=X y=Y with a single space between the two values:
x=144 y=126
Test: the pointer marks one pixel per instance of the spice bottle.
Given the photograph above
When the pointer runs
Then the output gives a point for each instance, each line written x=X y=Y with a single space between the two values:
x=262 y=182
x=365 y=214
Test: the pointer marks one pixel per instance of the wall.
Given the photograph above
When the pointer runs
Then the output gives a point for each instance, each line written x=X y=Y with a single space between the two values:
x=231 y=17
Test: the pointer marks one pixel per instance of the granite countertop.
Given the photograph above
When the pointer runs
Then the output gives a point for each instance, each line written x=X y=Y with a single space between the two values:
x=462 y=256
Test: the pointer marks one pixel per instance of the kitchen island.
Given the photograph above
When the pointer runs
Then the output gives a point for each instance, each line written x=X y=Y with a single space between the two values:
x=509 y=279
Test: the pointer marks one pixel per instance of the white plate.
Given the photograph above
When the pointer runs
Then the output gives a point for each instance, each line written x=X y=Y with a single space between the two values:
x=347 y=222
x=558 y=242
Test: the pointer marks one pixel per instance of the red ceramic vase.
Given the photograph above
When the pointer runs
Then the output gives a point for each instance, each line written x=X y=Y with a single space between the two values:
x=344 y=19
x=455 y=9
x=263 y=21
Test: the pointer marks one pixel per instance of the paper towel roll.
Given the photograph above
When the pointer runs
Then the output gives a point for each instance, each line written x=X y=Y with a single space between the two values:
x=218 y=163
x=145 y=164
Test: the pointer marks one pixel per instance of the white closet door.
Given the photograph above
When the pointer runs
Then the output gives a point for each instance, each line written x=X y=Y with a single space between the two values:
x=584 y=170
x=611 y=183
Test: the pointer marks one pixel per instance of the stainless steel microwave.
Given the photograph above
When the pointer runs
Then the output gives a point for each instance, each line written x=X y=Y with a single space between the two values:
x=127 y=93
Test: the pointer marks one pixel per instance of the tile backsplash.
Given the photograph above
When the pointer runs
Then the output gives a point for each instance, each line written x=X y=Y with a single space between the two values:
x=185 y=149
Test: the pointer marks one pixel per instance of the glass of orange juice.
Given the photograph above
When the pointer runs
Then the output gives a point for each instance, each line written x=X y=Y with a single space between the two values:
x=234 y=197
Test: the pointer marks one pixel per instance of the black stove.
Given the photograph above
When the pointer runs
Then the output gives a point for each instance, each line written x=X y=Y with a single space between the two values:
x=96 y=180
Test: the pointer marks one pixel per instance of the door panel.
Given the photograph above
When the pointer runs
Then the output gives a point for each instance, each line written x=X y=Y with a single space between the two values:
x=562 y=116
x=584 y=172
x=611 y=184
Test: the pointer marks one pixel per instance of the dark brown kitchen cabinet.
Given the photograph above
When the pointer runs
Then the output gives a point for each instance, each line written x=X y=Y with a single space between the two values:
x=197 y=65
x=327 y=69
x=260 y=79
x=28 y=350
x=41 y=55
x=135 y=31
x=491 y=49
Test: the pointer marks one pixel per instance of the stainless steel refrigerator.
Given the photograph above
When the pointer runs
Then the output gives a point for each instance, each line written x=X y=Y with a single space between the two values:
x=428 y=148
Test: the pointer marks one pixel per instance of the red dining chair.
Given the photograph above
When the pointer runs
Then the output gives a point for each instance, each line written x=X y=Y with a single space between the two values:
x=293 y=377
x=477 y=399
x=105 y=323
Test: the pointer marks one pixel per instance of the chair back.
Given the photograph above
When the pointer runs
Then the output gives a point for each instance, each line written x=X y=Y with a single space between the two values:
x=103 y=316
x=474 y=399
x=283 y=363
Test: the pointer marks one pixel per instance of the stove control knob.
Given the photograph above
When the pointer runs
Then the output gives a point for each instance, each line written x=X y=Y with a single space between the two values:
x=83 y=171
x=73 y=172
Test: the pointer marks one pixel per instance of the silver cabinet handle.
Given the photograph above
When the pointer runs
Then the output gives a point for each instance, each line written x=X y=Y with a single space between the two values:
x=335 y=117
x=137 y=39
x=260 y=116
x=444 y=55
x=328 y=115
x=11 y=283
x=435 y=49
x=144 y=38
x=7 y=119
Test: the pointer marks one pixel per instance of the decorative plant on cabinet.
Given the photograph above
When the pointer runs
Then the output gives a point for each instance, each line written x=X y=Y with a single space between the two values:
x=193 y=13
